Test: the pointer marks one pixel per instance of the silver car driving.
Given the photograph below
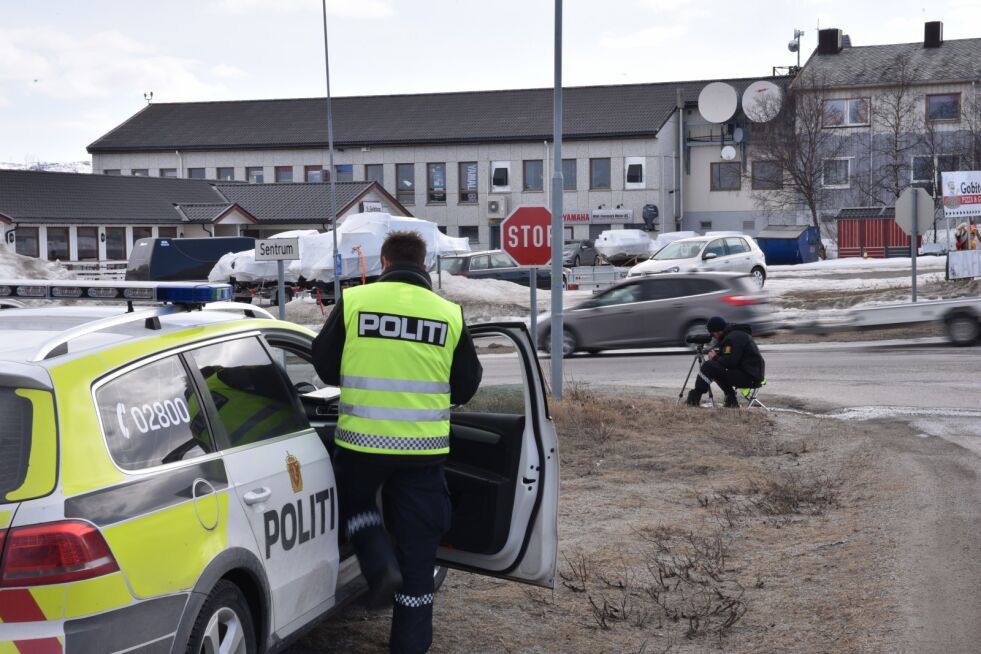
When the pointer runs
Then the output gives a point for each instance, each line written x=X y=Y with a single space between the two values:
x=657 y=310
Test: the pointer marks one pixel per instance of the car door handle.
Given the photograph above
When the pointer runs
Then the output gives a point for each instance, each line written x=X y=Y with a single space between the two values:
x=257 y=495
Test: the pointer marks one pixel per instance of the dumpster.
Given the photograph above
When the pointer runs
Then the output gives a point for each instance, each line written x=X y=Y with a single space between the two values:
x=789 y=244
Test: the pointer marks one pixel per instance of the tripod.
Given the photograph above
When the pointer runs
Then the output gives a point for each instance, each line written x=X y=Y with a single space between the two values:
x=698 y=360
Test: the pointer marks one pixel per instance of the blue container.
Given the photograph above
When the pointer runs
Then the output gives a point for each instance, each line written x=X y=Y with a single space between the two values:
x=784 y=245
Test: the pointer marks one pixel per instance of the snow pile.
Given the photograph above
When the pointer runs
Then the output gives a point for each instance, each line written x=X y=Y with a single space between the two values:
x=50 y=167
x=17 y=266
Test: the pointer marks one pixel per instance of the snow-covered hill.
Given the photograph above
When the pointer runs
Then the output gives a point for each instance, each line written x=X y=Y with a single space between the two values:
x=69 y=167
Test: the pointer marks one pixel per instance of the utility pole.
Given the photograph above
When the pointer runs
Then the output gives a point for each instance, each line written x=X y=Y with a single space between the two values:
x=558 y=186
x=330 y=171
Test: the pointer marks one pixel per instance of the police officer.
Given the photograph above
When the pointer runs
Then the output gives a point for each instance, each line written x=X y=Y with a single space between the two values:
x=402 y=356
x=735 y=362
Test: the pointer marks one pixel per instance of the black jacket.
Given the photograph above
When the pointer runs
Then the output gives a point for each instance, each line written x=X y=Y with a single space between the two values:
x=465 y=371
x=738 y=351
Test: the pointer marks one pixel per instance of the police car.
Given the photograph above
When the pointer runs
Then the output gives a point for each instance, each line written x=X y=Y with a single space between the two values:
x=166 y=485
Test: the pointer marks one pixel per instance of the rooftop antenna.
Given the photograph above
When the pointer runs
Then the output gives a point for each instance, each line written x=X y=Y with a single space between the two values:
x=148 y=96
x=794 y=45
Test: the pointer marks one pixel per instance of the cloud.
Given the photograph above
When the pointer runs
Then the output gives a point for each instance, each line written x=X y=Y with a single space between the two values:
x=346 y=8
x=65 y=67
x=4 y=102
x=227 y=71
x=652 y=37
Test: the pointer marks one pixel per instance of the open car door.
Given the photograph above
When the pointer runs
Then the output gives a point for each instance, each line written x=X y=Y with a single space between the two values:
x=503 y=467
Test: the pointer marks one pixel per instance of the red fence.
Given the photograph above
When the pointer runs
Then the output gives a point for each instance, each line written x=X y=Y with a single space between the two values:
x=874 y=237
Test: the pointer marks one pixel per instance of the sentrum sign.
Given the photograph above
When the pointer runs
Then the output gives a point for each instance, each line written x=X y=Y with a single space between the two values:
x=277 y=249
x=525 y=236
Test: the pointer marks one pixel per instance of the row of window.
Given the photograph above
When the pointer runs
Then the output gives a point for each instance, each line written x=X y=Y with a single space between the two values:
x=86 y=242
x=856 y=112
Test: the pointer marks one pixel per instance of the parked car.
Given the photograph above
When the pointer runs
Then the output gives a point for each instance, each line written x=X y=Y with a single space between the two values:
x=180 y=259
x=496 y=264
x=578 y=253
x=657 y=310
x=733 y=253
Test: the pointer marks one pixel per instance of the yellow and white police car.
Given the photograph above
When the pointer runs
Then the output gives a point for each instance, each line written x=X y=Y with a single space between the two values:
x=166 y=484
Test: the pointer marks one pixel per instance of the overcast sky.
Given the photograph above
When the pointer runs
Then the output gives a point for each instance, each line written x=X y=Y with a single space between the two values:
x=72 y=70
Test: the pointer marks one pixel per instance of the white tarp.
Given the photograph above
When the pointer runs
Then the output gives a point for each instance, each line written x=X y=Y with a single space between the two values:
x=962 y=193
x=668 y=237
x=623 y=243
x=366 y=231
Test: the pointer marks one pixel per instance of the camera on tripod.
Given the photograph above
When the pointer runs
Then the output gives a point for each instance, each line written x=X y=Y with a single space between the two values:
x=698 y=339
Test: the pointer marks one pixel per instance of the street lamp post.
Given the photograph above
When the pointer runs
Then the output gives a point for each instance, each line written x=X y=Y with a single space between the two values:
x=330 y=165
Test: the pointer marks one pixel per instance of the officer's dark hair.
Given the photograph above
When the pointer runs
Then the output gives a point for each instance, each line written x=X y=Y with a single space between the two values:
x=404 y=248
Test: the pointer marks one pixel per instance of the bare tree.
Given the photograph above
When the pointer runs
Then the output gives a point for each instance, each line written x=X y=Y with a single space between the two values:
x=796 y=145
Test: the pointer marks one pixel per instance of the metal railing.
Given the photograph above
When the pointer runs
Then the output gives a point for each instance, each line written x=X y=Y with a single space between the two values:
x=97 y=270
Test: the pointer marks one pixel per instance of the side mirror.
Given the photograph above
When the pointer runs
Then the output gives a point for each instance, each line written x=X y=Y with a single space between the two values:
x=709 y=255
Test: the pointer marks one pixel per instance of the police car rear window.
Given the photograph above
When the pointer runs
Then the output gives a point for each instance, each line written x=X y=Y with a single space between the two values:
x=151 y=416
x=16 y=422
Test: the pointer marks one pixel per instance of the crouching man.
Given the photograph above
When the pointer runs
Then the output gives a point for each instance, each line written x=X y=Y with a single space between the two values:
x=735 y=362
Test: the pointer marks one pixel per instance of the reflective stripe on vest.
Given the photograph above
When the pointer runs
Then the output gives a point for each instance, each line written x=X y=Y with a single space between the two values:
x=395 y=369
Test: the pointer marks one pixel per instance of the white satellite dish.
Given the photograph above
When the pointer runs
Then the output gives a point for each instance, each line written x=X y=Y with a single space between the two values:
x=718 y=102
x=728 y=153
x=762 y=101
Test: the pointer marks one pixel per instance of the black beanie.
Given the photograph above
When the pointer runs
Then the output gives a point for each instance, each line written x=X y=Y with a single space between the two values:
x=716 y=324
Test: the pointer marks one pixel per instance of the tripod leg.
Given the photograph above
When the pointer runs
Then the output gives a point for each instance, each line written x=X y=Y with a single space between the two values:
x=688 y=376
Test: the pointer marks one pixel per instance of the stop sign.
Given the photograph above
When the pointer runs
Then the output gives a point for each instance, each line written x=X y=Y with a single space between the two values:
x=525 y=235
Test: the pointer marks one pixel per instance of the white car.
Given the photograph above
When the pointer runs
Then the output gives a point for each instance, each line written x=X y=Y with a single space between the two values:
x=735 y=253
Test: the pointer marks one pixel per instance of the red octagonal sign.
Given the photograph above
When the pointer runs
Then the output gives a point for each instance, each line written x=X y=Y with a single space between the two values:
x=525 y=235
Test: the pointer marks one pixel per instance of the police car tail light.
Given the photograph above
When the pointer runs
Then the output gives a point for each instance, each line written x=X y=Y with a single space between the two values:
x=55 y=553
x=741 y=300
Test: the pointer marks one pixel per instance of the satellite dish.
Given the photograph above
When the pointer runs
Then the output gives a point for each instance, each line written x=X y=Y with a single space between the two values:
x=728 y=153
x=762 y=101
x=718 y=102
x=738 y=135
x=794 y=45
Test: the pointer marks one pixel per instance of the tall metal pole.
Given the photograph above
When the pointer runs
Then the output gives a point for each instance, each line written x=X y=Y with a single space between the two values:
x=558 y=186
x=913 y=235
x=330 y=157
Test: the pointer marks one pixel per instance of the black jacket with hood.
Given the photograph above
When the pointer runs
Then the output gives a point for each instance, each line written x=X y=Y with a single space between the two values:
x=738 y=351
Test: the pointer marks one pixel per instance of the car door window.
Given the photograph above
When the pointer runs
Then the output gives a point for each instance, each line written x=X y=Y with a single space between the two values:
x=663 y=289
x=501 y=260
x=737 y=245
x=480 y=263
x=152 y=416
x=300 y=371
x=620 y=295
x=699 y=286
x=716 y=247
x=253 y=401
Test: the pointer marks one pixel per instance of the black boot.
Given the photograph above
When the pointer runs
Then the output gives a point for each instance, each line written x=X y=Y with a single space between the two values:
x=731 y=401
x=694 y=398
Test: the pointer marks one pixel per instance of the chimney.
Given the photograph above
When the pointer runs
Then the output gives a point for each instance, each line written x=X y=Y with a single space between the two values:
x=933 y=34
x=846 y=41
x=829 y=41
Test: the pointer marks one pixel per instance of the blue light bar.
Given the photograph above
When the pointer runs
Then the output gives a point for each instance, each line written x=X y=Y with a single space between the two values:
x=75 y=289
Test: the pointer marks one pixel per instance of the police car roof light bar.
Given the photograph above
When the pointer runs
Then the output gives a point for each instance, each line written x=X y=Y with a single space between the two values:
x=183 y=293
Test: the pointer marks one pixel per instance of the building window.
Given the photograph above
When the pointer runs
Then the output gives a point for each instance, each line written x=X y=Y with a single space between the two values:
x=225 y=174
x=142 y=232
x=28 y=243
x=405 y=183
x=374 y=173
x=943 y=107
x=470 y=232
x=168 y=172
x=313 y=173
x=533 y=173
x=468 y=182
x=111 y=171
x=140 y=172
x=845 y=113
x=725 y=176
x=345 y=172
x=116 y=243
x=599 y=173
x=927 y=169
x=835 y=173
x=254 y=174
x=767 y=176
x=500 y=176
x=87 y=243
x=166 y=232
x=436 y=182
x=749 y=225
x=633 y=172
x=705 y=225
x=569 y=174
x=196 y=173
x=284 y=173
x=58 y=244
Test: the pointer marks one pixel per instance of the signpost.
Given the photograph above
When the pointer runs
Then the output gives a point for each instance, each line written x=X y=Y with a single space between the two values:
x=913 y=208
x=278 y=250
x=525 y=236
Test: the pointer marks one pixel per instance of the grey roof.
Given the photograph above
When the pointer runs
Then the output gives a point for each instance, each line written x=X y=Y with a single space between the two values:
x=874 y=65
x=632 y=110
x=866 y=212
x=294 y=202
x=42 y=197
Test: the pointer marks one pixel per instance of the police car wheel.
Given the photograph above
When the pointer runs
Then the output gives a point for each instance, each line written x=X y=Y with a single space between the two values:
x=224 y=625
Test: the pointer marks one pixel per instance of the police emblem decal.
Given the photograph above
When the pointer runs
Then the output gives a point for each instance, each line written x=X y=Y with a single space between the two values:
x=296 y=477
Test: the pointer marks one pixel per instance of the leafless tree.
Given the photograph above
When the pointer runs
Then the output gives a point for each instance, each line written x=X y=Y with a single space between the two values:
x=795 y=145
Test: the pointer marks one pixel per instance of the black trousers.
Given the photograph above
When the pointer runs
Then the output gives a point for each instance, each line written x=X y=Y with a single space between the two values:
x=727 y=379
x=417 y=512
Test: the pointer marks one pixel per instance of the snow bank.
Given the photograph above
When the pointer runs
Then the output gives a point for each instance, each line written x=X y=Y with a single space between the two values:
x=17 y=266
